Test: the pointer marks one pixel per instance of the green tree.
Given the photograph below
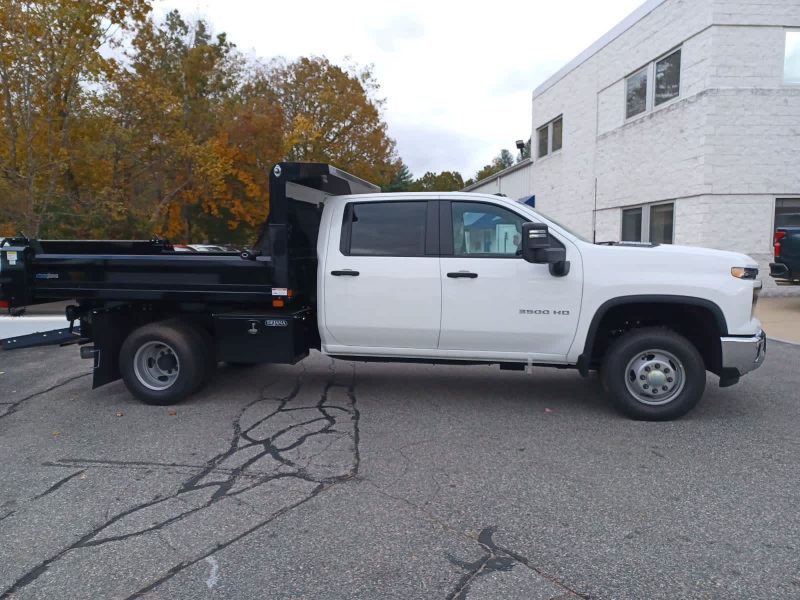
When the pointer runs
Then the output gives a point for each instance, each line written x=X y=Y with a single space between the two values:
x=446 y=181
x=526 y=151
x=502 y=161
x=402 y=180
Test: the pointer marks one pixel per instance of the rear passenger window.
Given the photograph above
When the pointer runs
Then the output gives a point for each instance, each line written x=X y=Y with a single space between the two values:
x=384 y=229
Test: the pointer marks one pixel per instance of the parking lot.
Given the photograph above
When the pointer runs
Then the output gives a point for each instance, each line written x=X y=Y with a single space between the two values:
x=340 y=480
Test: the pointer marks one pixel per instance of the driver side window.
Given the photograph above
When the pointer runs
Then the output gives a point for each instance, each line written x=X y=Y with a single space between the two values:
x=485 y=230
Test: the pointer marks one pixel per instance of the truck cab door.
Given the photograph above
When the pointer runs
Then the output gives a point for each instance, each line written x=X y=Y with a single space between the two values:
x=381 y=277
x=494 y=303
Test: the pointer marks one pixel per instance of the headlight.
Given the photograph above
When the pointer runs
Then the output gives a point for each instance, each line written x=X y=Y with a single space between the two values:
x=744 y=272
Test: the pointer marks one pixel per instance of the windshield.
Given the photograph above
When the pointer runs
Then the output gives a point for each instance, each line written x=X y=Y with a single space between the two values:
x=564 y=227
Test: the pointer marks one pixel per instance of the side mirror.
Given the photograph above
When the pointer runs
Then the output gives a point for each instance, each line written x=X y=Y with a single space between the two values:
x=557 y=259
x=536 y=249
x=535 y=241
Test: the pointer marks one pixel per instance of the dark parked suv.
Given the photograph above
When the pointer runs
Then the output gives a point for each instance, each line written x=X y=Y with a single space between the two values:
x=786 y=268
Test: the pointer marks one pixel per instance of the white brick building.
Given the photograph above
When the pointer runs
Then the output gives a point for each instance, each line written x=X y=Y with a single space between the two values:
x=514 y=182
x=682 y=124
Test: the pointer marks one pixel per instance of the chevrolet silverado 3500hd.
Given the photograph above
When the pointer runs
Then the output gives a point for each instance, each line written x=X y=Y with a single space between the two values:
x=420 y=277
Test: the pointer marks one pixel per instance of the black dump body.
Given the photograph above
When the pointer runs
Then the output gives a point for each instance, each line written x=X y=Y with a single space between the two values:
x=254 y=306
x=35 y=272
x=98 y=272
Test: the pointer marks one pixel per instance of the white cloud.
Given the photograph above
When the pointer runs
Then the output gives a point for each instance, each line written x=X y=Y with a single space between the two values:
x=460 y=72
x=397 y=29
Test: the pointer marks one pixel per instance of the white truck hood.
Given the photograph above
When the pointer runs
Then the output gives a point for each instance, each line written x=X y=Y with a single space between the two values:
x=679 y=255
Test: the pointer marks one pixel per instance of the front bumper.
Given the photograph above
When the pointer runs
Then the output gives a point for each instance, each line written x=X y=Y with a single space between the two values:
x=741 y=355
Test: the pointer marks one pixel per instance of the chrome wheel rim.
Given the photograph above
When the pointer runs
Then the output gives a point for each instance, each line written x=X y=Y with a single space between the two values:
x=655 y=377
x=156 y=366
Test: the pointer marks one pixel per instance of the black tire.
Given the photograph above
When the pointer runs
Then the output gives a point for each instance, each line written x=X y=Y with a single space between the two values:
x=653 y=355
x=210 y=355
x=203 y=341
x=179 y=370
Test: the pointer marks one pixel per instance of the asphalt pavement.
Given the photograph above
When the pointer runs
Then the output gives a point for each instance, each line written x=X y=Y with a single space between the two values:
x=339 y=480
x=780 y=316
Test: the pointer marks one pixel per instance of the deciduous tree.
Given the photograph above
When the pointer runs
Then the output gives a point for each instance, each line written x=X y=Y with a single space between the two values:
x=331 y=114
x=50 y=64
x=446 y=181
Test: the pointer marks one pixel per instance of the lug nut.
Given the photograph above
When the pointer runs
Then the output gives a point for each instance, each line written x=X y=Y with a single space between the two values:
x=645 y=386
x=669 y=379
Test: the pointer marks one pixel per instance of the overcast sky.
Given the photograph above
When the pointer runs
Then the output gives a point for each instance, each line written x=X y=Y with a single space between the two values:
x=457 y=76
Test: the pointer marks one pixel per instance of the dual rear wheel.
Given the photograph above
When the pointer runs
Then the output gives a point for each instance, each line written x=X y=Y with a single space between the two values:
x=162 y=363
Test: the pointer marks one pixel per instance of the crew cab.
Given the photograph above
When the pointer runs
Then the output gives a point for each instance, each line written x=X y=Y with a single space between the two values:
x=458 y=278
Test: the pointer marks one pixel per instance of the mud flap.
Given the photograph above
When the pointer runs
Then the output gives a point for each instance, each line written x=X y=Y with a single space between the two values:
x=108 y=328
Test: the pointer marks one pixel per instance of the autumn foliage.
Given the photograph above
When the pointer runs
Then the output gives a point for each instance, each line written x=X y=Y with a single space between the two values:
x=115 y=126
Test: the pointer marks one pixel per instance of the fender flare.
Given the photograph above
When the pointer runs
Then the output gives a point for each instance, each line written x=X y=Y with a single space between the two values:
x=585 y=359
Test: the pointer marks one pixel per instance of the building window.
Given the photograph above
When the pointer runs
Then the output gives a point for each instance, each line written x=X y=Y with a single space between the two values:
x=652 y=223
x=558 y=128
x=549 y=137
x=636 y=94
x=668 y=77
x=791 y=58
x=632 y=224
x=541 y=136
x=787 y=212
x=653 y=84
x=662 y=216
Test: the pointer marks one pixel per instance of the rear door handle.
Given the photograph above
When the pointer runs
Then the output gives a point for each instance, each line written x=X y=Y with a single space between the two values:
x=458 y=274
x=345 y=272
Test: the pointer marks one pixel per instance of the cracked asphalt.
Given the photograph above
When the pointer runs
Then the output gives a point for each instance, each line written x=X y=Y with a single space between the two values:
x=332 y=479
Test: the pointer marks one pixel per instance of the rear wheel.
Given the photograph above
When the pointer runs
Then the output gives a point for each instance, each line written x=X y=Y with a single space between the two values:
x=654 y=374
x=162 y=363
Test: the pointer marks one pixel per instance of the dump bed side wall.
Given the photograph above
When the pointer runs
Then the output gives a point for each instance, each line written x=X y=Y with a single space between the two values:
x=176 y=277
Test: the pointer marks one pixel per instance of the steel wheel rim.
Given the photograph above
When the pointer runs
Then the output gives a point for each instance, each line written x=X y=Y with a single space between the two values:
x=156 y=366
x=655 y=377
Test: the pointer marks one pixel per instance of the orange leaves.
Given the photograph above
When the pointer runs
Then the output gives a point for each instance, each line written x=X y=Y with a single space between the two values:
x=49 y=52
x=177 y=139
x=331 y=114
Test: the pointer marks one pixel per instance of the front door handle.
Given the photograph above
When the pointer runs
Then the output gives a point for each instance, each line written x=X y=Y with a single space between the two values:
x=345 y=272
x=467 y=274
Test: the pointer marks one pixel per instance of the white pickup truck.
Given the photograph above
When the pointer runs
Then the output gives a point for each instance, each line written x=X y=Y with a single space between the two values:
x=421 y=277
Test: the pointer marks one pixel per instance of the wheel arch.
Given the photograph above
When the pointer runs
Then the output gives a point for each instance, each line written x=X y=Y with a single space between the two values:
x=698 y=319
x=109 y=327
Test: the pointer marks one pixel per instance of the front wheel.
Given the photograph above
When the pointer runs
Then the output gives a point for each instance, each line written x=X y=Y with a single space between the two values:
x=162 y=363
x=654 y=374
